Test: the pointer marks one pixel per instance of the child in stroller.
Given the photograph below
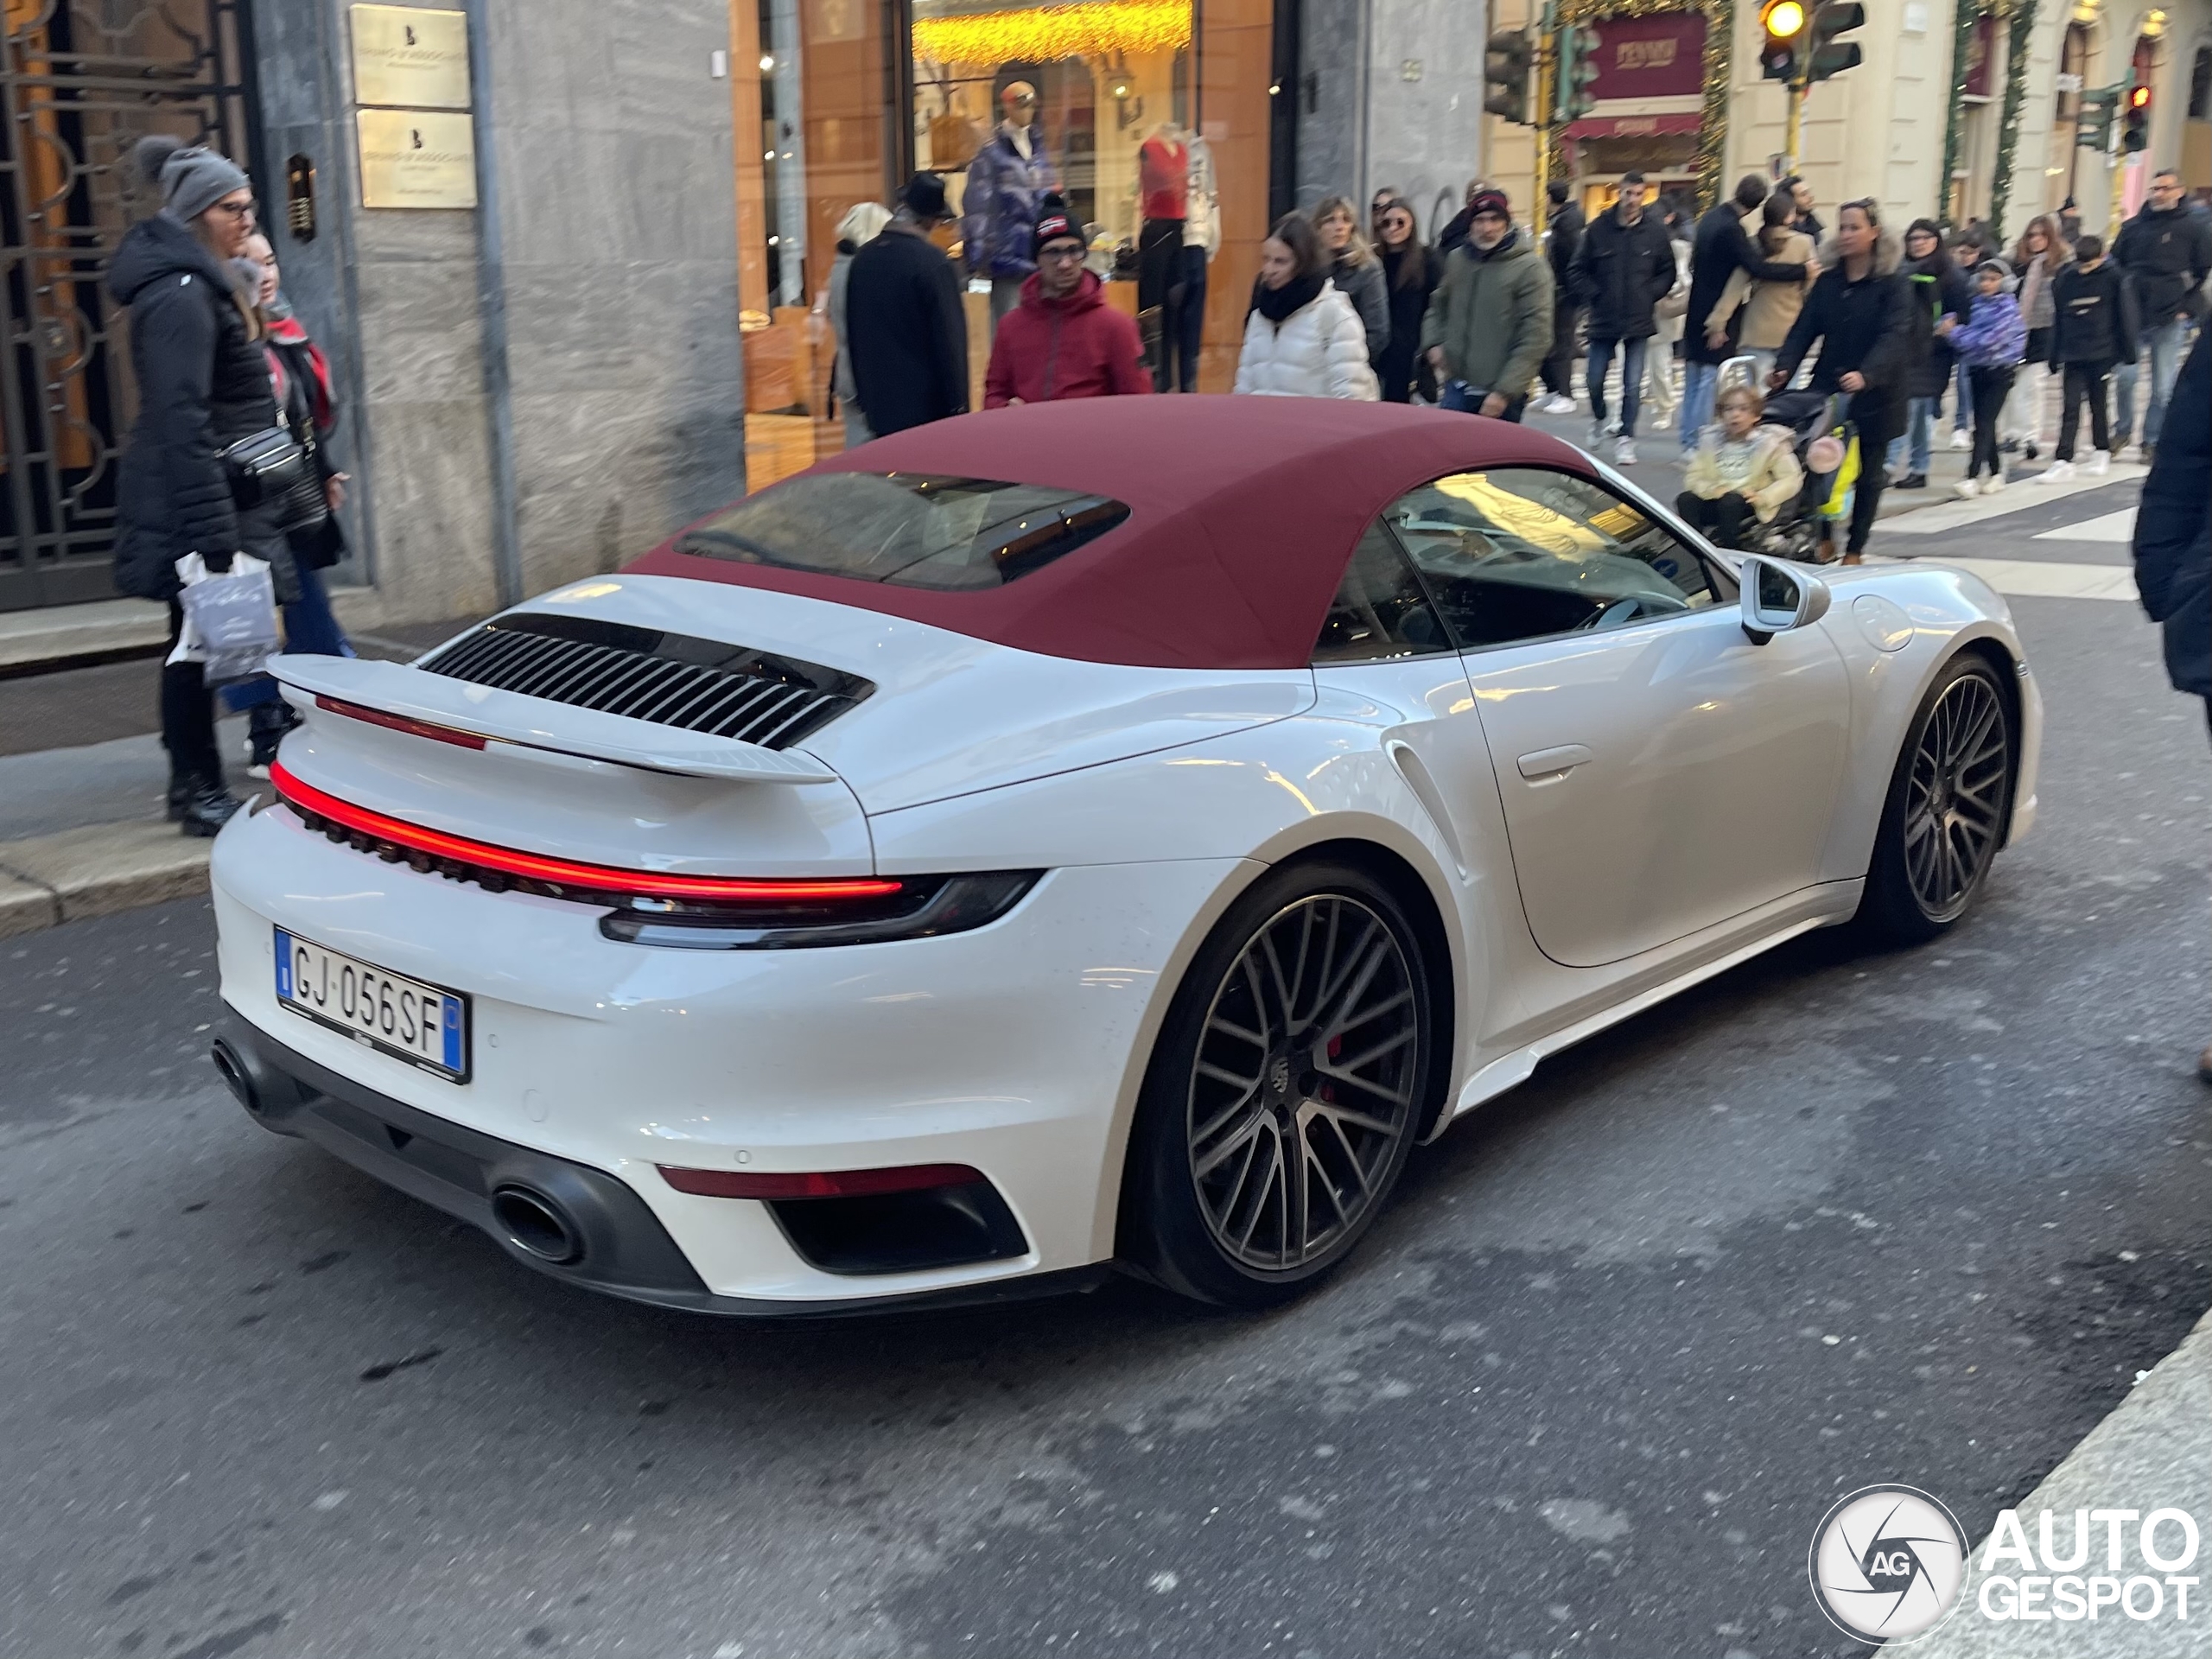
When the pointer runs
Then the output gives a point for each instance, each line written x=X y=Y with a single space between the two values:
x=1743 y=474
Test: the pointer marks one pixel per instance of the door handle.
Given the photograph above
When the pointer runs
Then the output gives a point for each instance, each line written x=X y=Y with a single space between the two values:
x=1543 y=765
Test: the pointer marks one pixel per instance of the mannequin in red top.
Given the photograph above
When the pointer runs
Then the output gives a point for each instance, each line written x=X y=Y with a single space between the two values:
x=1163 y=195
x=1063 y=340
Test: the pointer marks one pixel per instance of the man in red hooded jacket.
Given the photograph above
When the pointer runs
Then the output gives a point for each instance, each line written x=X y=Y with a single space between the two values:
x=1063 y=340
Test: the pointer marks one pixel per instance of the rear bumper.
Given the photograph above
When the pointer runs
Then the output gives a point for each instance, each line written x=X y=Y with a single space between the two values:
x=623 y=1249
x=1014 y=1050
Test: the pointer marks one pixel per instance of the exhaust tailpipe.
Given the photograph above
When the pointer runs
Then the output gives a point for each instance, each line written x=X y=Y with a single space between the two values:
x=537 y=1225
x=236 y=1074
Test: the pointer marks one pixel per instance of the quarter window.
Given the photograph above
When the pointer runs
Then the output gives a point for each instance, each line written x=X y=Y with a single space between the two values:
x=1520 y=553
x=1379 y=610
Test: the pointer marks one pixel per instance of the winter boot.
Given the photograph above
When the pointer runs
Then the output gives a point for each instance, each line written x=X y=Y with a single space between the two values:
x=200 y=805
x=265 y=728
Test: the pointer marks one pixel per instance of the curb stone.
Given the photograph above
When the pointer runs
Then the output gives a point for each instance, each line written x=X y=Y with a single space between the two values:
x=96 y=871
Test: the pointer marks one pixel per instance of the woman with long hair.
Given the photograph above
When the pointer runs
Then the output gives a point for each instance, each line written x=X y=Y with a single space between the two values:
x=1301 y=337
x=1769 y=308
x=1409 y=277
x=2036 y=260
x=1354 y=269
x=1860 y=310
x=203 y=385
x=307 y=403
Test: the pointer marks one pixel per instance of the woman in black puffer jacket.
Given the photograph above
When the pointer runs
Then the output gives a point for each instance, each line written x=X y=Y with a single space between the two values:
x=203 y=383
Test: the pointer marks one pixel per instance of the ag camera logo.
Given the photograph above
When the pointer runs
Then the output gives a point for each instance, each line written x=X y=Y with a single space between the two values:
x=1888 y=1563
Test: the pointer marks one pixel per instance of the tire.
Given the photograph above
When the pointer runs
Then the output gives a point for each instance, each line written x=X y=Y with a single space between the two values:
x=1305 y=1019
x=1950 y=798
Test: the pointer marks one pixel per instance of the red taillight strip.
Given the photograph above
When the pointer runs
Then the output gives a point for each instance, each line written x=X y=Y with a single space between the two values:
x=596 y=878
x=400 y=723
x=827 y=1184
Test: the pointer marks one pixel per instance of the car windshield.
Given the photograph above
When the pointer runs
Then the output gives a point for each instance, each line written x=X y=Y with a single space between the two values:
x=910 y=530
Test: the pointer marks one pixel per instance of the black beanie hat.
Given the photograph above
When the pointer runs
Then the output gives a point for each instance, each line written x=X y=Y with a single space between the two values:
x=1053 y=222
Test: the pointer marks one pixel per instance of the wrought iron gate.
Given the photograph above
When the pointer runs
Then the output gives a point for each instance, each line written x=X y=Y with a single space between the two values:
x=81 y=82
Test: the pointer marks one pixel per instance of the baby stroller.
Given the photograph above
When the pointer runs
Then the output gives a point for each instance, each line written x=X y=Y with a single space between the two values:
x=1826 y=448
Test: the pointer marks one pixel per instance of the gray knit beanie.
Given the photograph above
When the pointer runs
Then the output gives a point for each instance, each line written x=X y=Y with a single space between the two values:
x=192 y=179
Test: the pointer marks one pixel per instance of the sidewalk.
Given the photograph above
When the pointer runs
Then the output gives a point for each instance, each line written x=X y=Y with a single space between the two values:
x=83 y=826
x=2153 y=1452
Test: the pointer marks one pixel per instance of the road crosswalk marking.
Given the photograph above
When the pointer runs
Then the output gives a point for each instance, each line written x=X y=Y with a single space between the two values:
x=2111 y=527
x=1957 y=515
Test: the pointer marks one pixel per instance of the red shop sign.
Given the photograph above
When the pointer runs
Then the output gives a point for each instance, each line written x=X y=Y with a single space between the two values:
x=1660 y=56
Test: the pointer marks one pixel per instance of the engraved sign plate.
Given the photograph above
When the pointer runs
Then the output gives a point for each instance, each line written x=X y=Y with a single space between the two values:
x=410 y=55
x=417 y=158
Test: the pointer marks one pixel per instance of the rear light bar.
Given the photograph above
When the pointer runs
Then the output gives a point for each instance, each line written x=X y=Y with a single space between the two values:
x=828 y=1183
x=567 y=877
x=436 y=733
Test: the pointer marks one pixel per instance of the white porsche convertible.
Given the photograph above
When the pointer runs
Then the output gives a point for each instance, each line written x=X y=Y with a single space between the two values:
x=1096 y=834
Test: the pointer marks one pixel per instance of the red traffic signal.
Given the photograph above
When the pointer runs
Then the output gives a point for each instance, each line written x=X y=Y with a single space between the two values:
x=2135 y=120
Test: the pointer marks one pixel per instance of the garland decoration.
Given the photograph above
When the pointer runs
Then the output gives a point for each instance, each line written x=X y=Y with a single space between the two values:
x=1963 y=19
x=1050 y=33
x=1713 y=118
x=2021 y=24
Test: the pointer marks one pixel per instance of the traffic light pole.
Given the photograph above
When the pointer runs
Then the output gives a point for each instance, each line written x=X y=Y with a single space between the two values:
x=1793 y=89
x=1547 y=69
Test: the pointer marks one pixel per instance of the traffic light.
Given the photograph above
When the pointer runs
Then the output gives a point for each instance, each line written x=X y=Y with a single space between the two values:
x=2135 y=120
x=2093 y=120
x=1832 y=56
x=1785 y=23
x=1578 y=68
x=1506 y=58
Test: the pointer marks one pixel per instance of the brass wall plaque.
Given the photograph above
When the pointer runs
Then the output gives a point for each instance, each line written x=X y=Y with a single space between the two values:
x=416 y=158
x=410 y=55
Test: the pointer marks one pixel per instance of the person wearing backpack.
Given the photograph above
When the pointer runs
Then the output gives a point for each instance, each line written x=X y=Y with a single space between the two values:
x=2093 y=328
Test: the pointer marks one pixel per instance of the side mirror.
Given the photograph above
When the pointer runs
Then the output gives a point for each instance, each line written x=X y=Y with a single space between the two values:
x=1777 y=596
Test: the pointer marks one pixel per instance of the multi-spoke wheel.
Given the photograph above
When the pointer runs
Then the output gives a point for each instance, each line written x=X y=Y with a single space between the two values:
x=1948 y=803
x=1288 y=1085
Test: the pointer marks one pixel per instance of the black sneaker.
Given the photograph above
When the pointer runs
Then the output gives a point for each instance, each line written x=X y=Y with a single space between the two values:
x=267 y=725
x=205 y=807
x=1912 y=481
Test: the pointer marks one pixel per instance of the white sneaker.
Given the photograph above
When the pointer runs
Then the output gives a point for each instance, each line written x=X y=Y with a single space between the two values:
x=1970 y=487
x=2100 y=464
x=2059 y=472
x=1597 y=433
x=1624 y=453
x=2127 y=452
x=1961 y=440
x=1993 y=483
x=1558 y=404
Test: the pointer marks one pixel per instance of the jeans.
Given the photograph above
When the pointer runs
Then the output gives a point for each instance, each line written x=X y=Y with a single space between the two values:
x=1920 y=416
x=1699 y=380
x=1593 y=374
x=1459 y=395
x=310 y=626
x=1659 y=366
x=1961 y=403
x=2164 y=342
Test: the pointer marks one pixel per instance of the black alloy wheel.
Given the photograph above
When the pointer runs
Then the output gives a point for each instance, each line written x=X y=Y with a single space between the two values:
x=1949 y=801
x=1290 y=1082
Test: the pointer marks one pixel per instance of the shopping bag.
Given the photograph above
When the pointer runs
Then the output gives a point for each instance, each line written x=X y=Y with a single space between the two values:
x=230 y=618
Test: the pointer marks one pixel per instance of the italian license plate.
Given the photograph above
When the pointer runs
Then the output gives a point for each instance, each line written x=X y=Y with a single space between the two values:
x=426 y=1025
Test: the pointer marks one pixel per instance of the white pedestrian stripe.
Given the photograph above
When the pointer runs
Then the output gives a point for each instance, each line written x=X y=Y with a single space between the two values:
x=2039 y=579
x=2113 y=527
x=2020 y=494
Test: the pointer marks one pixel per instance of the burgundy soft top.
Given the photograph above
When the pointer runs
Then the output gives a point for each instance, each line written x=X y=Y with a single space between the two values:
x=1243 y=512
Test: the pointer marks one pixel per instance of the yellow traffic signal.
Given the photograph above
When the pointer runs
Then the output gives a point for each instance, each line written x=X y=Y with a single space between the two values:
x=1782 y=19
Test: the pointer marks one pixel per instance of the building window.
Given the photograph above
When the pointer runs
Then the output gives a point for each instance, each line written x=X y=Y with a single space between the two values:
x=2200 y=85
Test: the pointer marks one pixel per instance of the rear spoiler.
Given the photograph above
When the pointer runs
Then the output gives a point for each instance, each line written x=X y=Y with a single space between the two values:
x=421 y=698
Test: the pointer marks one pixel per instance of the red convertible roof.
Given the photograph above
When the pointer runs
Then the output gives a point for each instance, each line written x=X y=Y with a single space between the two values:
x=1243 y=513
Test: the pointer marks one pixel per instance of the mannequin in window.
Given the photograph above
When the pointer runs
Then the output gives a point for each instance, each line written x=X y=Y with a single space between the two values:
x=1163 y=210
x=1184 y=313
x=1007 y=181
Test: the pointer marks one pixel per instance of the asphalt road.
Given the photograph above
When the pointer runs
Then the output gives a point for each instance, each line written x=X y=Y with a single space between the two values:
x=1832 y=1219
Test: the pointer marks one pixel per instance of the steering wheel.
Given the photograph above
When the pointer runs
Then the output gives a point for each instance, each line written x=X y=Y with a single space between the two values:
x=1627 y=610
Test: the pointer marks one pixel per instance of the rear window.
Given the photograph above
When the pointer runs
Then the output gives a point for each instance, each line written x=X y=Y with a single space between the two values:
x=910 y=530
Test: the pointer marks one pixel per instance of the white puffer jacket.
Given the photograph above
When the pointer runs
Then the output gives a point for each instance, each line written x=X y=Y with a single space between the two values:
x=1319 y=351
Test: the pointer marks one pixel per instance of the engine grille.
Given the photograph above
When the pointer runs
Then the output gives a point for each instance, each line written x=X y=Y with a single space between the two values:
x=672 y=680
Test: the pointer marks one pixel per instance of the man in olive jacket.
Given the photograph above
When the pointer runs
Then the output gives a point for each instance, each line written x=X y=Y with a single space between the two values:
x=1490 y=321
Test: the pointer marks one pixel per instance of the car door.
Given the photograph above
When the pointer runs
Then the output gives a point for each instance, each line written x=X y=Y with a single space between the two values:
x=1384 y=650
x=1660 y=773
